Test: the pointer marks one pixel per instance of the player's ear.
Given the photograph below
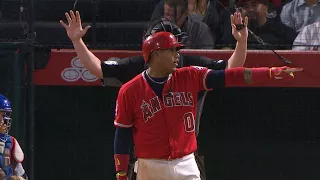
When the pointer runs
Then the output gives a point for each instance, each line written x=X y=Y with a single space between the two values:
x=156 y=55
x=153 y=55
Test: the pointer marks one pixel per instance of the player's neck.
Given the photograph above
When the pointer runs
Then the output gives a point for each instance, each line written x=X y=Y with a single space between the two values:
x=156 y=73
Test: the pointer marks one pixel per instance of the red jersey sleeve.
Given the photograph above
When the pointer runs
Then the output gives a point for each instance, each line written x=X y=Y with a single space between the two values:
x=124 y=110
x=199 y=76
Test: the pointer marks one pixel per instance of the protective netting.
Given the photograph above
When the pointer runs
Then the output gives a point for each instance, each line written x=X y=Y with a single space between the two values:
x=120 y=24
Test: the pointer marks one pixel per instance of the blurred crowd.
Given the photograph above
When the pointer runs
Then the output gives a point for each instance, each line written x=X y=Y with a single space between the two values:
x=276 y=24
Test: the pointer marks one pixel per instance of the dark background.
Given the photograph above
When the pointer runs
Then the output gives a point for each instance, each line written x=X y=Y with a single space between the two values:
x=245 y=133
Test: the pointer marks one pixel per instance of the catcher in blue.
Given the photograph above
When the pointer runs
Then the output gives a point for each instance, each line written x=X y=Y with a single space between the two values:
x=112 y=72
x=11 y=154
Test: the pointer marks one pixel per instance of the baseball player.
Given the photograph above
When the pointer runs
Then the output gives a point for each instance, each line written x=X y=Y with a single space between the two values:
x=11 y=153
x=112 y=71
x=157 y=110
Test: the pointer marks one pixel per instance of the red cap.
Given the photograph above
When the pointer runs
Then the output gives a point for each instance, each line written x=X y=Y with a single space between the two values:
x=160 y=40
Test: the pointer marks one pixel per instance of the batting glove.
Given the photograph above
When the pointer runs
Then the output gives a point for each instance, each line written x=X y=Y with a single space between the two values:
x=122 y=176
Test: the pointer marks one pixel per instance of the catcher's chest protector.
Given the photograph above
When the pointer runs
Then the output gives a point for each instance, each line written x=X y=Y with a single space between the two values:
x=5 y=154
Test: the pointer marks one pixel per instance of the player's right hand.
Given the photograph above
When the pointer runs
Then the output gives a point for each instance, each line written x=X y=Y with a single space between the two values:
x=74 y=27
x=122 y=177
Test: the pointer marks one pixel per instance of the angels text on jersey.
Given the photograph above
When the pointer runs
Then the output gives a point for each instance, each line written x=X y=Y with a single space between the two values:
x=171 y=99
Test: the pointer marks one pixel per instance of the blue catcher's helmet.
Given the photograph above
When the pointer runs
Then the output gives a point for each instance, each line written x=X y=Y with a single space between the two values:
x=6 y=108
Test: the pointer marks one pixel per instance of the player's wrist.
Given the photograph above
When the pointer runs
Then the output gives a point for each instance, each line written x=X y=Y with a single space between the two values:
x=242 y=41
x=121 y=162
x=76 y=41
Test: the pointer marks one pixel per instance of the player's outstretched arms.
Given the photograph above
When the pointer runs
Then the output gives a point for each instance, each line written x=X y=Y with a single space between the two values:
x=75 y=33
x=241 y=76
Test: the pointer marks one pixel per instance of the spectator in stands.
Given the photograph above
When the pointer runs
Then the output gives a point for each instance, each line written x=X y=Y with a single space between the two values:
x=196 y=8
x=199 y=34
x=308 y=38
x=299 y=13
x=212 y=19
x=270 y=30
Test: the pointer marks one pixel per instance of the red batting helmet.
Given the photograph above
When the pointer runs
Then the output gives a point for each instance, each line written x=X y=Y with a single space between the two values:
x=159 y=40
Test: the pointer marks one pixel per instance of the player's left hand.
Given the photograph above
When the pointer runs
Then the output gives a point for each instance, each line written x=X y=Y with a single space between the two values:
x=241 y=35
x=283 y=72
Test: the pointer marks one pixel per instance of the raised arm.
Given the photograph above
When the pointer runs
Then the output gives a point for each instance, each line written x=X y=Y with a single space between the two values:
x=75 y=33
x=239 y=55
